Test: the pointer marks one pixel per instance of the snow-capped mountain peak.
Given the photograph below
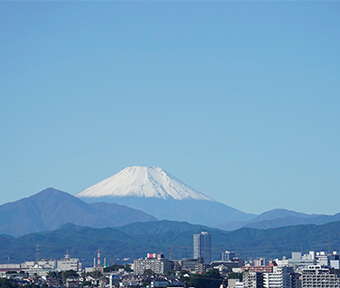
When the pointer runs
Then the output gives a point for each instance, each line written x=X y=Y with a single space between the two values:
x=145 y=182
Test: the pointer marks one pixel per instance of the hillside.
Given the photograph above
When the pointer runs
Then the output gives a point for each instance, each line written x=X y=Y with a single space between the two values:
x=51 y=208
x=121 y=242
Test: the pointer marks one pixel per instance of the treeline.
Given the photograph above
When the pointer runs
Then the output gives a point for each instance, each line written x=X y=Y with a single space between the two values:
x=6 y=283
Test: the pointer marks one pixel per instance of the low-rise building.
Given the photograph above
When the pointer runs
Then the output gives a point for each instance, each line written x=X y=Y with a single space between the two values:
x=252 y=279
x=193 y=265
x=158 y=265
x=259 y=269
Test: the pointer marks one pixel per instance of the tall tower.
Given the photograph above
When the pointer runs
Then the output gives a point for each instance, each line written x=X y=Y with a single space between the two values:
x=202 y=246
x=98 y=258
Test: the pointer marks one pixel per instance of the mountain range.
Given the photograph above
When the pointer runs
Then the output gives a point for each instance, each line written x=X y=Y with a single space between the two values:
x=133 y=241
x=138 y=194
x=145 y=209
x=156 y=192
x=51 y=208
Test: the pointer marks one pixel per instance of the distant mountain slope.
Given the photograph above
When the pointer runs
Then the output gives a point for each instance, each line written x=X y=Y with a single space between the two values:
x=160 y=227
x=121 y=214
x=280 y=213
x=291 y=221
x=162 y=195
x=116 y=244
x=50 y=208
x=280 y=218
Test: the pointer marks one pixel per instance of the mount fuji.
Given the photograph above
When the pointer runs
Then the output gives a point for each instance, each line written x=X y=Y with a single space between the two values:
x=156 y=192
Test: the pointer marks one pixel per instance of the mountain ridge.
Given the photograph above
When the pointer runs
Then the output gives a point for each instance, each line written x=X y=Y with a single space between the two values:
x=162 y=195
x=276 y=218
x=51 y=208
x=117 y=243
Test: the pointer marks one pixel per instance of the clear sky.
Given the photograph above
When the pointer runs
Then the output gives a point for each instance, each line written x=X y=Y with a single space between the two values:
x=239 y=100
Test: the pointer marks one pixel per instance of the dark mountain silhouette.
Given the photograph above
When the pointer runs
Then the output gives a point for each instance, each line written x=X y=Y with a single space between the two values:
x=51 y=208
x=280 y=218
x=135 y=240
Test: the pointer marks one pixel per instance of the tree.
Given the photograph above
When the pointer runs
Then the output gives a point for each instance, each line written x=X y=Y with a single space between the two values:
x=211 y=279
x=170 y=272
x=5 y=283
x=113 y=268
x=127 y=268
x=233 y=275
x=54 y=274
x=149 y=272
x=68 y=273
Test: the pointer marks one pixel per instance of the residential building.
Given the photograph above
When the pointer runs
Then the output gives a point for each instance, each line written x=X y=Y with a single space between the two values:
x=69 y=264
x=228 y=256
x=298 y=259
x=260 y=262
x=280 y=278
x=202 y=246
x=316 y=276
x=158 y=265
x=234 y=283
x=252 y=280
x=193 y=265
x=259 y=269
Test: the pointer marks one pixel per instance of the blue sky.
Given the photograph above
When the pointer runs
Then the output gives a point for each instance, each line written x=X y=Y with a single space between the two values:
x=240 y=100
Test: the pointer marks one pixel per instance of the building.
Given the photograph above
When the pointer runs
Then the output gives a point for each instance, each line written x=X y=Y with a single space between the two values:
x=193 y=265
x=202 y=246
x=252 y=280
x=158 y=265
x=228 y=256
x=228 y=265
x=260 y=262
x=334 y=260
x=321 y=258
x=42 y=267
x=302 y=260
x=69 y=264
x=234 y=283
x=259 y=269
x=315 y=276
x=280 y=278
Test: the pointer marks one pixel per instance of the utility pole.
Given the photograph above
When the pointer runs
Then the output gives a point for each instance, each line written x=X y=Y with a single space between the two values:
x=37 y=252
x=171 y=252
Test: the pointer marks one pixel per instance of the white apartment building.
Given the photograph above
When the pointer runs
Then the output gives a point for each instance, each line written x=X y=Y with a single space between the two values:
x=280 y=278
x=317 y=277
x=69 y=264
x=157 y=265
x=252 y=279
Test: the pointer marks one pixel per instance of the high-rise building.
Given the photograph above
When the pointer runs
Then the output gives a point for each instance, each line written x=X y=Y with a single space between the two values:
x=202 y=246
x=228 y=256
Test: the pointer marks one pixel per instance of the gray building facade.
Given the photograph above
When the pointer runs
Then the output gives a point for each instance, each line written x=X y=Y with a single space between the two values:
x=202 y=246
